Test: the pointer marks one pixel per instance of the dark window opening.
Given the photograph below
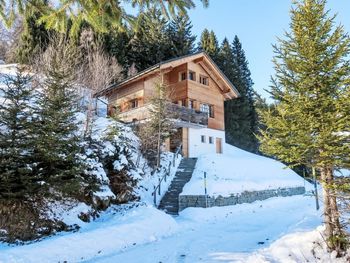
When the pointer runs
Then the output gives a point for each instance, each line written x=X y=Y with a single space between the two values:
x=192 y=75
x=202 y=138
x=133 y=104
x=204 y=80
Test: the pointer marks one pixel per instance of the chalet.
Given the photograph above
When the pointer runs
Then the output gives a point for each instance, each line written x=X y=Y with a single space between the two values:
x=198 y=91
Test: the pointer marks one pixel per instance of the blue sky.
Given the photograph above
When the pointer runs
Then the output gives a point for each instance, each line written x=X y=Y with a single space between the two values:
x=257 y=23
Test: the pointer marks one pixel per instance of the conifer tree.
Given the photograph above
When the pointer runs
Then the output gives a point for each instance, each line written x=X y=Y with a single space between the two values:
x=209 y=44
x=150 y=43
x=34 y=37
x=240 y=115
x=311 y=114
x=181 y=38
x=57 y=146
x=101 y=15
x=16 y=138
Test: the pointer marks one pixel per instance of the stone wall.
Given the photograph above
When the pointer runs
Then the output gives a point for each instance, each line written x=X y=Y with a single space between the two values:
x=245 y=197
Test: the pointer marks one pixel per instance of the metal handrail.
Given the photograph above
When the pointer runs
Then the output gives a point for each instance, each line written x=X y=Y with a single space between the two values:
x=167 y=173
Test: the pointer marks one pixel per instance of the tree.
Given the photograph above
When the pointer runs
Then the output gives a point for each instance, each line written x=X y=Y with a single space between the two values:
x=240 y=115
x=159 y=127
x=150 y=44
x=99 y=70
x=181 y=38
x=34 y=37
x=209 y=44
x=58 y=140
x=101 y=15
x=16 y=138
x=312 y=112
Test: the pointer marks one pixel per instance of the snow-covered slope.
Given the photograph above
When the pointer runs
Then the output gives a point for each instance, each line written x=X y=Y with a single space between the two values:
x=237 y=171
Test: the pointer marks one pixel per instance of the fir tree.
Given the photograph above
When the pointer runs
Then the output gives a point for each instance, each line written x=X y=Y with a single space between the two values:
x=209 y=44
x=34 y=37
x=16 y=139
x=181 y=38
x=312 y=110
x=150 y=43
x=58 y=140
x=240 y=115
x=101 y=15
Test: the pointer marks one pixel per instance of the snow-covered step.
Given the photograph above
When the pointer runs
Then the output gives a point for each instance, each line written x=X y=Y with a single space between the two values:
x=170 y=201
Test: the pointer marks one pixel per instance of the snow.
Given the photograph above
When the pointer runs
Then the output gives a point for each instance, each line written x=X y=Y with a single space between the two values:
x=261 y=230
x=237 y=171
x=109 y=233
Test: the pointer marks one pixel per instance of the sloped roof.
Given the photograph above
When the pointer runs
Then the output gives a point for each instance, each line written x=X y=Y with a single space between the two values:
x=163 y=64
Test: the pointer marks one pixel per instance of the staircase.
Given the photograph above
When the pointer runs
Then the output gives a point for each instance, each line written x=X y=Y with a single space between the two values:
x=170 y=201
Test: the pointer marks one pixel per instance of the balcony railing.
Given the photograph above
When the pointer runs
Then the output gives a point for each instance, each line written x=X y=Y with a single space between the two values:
x=185 y=114
x=176 y=112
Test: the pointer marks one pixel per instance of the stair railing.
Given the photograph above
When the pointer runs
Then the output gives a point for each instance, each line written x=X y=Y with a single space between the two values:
x=157 y=189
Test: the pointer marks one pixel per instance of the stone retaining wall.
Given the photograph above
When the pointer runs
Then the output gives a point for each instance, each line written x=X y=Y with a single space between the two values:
x=245 y=197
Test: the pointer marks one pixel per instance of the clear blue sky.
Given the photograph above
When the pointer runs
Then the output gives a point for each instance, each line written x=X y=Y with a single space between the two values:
x=257 y=23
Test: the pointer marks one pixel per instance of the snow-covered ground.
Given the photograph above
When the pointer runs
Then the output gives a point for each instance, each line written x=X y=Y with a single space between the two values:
x=237 y=171
x=274 y=230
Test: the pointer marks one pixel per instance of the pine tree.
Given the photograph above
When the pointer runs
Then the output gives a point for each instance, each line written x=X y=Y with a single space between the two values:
x=181 y=38
x=16 y=139
x=150 y=43
x=101 y=15
x=34 y=37
x=209 y=44
x=240 y=115
x=312 y=110
x=58 y=140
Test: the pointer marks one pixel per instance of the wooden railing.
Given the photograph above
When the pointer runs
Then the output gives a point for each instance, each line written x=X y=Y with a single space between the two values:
x=157 y=189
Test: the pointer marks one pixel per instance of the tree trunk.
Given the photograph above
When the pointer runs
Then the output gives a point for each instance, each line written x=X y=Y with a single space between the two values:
x=333 y=230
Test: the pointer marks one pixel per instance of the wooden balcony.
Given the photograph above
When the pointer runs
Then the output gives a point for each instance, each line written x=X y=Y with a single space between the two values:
x=184 y=115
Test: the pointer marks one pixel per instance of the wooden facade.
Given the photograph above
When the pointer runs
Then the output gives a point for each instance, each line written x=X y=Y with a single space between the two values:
x=194 y=82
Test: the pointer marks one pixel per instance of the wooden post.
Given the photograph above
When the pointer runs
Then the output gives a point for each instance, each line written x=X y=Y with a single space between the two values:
x=315 y=185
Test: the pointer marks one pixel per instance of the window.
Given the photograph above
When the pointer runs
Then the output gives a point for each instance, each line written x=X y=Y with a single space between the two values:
x=204 y=108
x=133 y=104
x=211 y=111
x=191 y=104
x=182 y=76
x=183 y=103
x=203 y=138
x=192 y=75
x=211 y=140
x=204 y=80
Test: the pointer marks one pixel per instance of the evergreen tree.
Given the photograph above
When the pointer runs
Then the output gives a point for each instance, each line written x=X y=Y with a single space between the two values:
x=34 y=37
x=181 y=38
x=116 y=44
x=16 y=139
x=209 y=44
x=240 y=115
x=101 y=15
x=312 y=110
x=150 y=43
x=57 y=146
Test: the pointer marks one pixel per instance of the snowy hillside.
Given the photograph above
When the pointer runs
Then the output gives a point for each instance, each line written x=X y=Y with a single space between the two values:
x=237 y=171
